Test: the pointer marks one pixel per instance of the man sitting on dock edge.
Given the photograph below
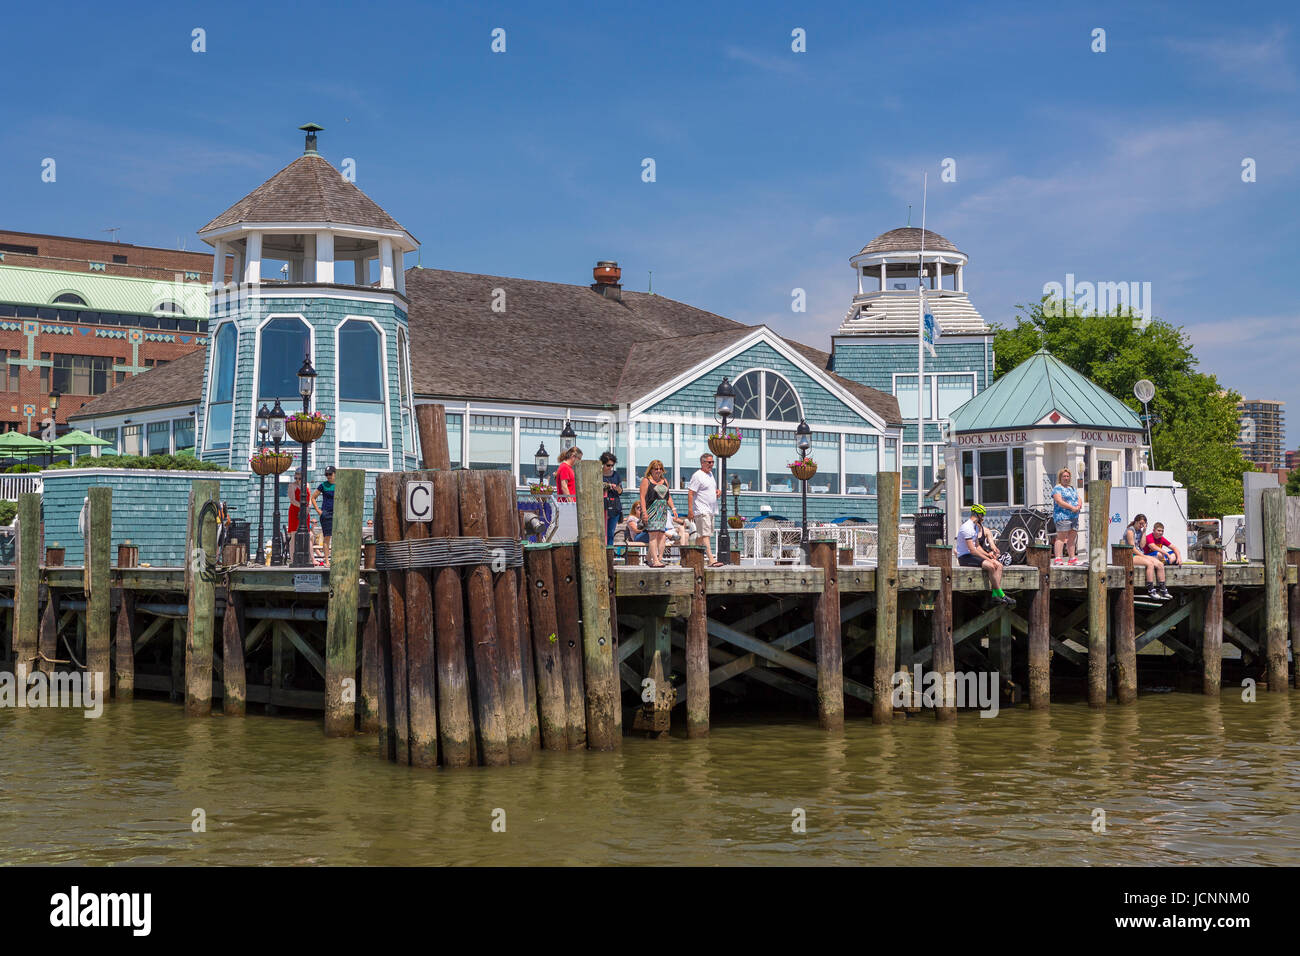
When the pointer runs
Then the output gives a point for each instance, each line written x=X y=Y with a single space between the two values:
x=975 y=550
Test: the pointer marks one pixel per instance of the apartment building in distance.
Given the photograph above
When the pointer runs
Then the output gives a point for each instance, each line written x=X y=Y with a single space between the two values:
x=1263 y=432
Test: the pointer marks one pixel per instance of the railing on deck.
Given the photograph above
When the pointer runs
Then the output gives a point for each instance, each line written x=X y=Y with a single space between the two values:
x=11 y=486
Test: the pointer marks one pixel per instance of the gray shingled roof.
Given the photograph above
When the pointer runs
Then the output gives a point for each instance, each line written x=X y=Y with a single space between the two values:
x=555 y=344
x=908 y=239
x=179 y=382
x=307 y=190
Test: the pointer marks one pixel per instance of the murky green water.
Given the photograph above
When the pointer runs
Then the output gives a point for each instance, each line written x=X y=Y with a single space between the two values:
x=1181 y=780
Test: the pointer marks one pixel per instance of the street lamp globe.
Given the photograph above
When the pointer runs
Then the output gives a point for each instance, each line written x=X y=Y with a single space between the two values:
x=803 y=438
x=725 y=401
x=306 y=378
x=568 y=437
x=542 y=459
x=275 y=422
x=54 y=400
x=263 y=421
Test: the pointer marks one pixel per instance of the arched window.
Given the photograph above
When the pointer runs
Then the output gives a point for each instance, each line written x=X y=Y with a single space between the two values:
x=765 y=396
x=361 y=385
x=69 y=298
x=221 y=389
x=283 y=345
x=168 y=307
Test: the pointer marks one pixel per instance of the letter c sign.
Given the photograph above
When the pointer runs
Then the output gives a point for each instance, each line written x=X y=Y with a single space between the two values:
x=419 y=501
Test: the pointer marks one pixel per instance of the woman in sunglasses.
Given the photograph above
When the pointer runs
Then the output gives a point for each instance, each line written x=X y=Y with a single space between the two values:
x=657 y=505
x=1065 y=513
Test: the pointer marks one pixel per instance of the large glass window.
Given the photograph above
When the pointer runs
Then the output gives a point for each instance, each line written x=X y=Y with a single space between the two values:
x=221 y=390
x=890 y=460
x=455 y=426
x=860 y=464
x=490 y=440
x=765 y=395
x=744 y=463
x=404 y=384
x=76 y=374
x=993 y=478
x=160 y=438
x=905 y=392
x=781 y=404
x=780 y=452
x=749 y=396
x=968 y=478
x=109 y=435
x=826 y=452
x=361 y=386
x=952 y=391
x=5 y=356
x=694 y=443
x=284 y=344
x=132 y=439
x=532 y=433
x=183 y=435
x=653 y=440
x=1018 y=476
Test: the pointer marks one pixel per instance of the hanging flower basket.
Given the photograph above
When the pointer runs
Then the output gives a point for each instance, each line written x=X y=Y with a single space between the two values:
x=306 y=427
x=724 y=444
x=269 y=463
x=541 y=491
x=735 y=521
x=803 y=469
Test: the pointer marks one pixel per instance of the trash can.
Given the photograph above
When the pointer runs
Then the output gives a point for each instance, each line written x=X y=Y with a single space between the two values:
x=928 y=530
x=240 y=533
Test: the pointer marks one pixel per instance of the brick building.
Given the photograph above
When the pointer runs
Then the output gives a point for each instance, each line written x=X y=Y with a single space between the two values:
x=79 y=316
x=1263 y=432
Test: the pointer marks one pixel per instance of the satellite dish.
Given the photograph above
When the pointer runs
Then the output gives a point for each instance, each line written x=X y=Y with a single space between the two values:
x=1144 y=390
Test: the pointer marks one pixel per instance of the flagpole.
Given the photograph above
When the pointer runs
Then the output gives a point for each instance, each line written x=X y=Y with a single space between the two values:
x=920 y=353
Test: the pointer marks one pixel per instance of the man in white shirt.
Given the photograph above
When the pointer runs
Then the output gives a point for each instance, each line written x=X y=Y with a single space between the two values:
x=702 y=505
x=975 y=549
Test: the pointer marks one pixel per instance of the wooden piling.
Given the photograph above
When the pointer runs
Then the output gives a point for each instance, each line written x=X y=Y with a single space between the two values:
x=1098 y=514
x=455 y=698
x=201 y=620
x=600 y=673
x=611 y=583
x=526 y=661
x=1293 y=612
x=49 y=634
x=1212 y=642
x=826 y=638
x=124 y=647
x=234 y=684
x=480 y=603
x=882 y=681
x=1040 y=629
x=943 y=658
x=1273 y=510
x=567 y=611
x=432 y=423
x=341 y=616
x=28 y=588
x=388 y=527
x=503 y=521
x=421 y=665
x=99 y=594
x=697 y=647
x=177 y=692
x=370 y=668
x=1125 y=629
x=552 y=712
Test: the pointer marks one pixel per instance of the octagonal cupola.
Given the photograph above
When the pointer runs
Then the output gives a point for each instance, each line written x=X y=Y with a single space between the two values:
x=310 y=225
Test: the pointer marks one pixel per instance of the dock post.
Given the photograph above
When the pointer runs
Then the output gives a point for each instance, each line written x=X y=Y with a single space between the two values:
x=1126 y=684
x=826 y=635
x=422 y=708
x=1273 y=508
x=484 y=636
x=656 y=635
x=48 y=645
x=552 y=714
x=234 y=682
x=99 y=593
x=943 y=660
x=391 y=701
x=1039 y=557
x=503 y=522
x=697 y=647
x=177 y=691
x=124 y=647
x=600 y=672
x=28 y=585
x=201 y=620
x=1293 y=611
x=526 y=660
x=612 y=584
x=1212 y=643
x=432 y=423
x=882 y=682
x=341 y=615
x=455 y=699
x=567 y=609
x=1098 y=526
x=371 y=664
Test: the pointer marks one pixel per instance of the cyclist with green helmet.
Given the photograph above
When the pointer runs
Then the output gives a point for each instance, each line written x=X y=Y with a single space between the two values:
x=976 y=550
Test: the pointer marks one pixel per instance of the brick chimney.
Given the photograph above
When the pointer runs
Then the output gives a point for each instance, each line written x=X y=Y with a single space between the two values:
x=607 y=273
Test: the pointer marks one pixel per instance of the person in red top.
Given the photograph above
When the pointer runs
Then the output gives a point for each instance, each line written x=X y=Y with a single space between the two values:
x=566 y=481
x=1158 y=546
x=295 y=509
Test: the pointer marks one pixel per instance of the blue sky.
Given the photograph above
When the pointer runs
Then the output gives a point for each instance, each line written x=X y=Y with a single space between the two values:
x=772 y=167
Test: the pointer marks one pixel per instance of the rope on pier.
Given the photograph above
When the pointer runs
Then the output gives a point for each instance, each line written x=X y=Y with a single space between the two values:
x=500 y=553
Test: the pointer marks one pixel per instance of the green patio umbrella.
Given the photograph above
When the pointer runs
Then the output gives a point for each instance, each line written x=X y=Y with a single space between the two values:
x=14 y=444
x=76 y=438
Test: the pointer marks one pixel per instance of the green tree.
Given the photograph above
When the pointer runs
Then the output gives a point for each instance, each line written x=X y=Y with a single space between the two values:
x=1197 y=416
x=1293 y=482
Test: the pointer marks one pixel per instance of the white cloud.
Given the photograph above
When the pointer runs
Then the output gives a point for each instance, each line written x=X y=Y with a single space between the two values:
x=1262 y=61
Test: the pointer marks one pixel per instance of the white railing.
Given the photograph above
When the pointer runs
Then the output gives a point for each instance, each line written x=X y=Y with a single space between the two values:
x=772 y=541
x=11 y=486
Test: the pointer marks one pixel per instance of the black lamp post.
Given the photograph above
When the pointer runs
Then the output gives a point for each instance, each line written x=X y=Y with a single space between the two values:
x=803 y=441
x=275 y=425
x=54 y=419
x=263 y=429
x=302 y=557
x=735 y=499
x=724 y=401
x=568 y=437
x=542 y=459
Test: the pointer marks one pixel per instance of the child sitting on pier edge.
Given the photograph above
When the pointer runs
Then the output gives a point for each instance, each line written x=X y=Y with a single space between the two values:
x=975 y=550
x=1160 y=547
x=1155 y=568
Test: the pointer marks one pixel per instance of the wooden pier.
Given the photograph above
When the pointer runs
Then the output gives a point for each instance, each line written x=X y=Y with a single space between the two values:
x=486 y=658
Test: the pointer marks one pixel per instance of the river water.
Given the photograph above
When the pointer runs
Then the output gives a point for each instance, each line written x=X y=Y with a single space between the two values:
x=1179 y=778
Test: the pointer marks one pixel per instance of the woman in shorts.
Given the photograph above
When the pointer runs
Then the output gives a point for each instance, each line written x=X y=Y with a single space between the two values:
x=1065 y=513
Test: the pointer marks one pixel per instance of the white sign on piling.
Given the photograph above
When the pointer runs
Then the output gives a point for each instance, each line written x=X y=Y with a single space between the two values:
x=419 y=501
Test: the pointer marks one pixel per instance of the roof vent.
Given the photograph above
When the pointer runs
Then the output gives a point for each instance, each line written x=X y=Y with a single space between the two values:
x=607 y=273
x=311 y=129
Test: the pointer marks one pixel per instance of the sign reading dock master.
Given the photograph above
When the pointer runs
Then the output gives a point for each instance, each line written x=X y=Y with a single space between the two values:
x=419 y=501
